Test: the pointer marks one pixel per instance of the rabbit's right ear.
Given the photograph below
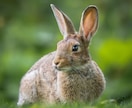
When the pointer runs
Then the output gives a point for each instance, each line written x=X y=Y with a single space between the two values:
x=65 y=25
x=89 y=22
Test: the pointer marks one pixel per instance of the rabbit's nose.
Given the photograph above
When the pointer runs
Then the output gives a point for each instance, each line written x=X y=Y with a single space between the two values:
x=56 y=63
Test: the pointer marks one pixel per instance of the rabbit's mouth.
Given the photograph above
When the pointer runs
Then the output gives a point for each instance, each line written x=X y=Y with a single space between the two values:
x=65 y=69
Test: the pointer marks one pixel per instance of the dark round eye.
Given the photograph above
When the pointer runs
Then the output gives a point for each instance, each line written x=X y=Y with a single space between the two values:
x=75 y=48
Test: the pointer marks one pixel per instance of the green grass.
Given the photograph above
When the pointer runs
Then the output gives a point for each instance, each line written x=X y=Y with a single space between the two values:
x=74 y=105
x=100 y=103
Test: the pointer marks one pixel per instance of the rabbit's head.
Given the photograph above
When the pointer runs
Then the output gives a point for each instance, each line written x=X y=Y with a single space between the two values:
x=72 y=51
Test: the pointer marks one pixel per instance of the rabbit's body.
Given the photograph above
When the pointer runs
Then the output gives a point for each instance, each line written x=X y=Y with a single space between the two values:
x=68 y=74
x=52 y=86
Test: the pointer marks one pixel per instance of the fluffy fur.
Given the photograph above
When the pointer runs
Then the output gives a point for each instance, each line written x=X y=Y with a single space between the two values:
x=67 y=74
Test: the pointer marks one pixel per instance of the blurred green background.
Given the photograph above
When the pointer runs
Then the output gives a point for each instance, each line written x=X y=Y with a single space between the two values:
x=28 y=30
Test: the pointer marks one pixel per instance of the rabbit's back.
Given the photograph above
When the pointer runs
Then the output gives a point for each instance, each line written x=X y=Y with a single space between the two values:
x=39 y=82
x=45 y=62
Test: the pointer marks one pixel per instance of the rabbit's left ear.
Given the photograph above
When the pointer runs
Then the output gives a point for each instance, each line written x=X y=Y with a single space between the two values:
x=89 y=22
x=65 y=24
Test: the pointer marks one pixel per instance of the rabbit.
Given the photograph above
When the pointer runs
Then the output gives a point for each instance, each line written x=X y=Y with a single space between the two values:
x=68 y=74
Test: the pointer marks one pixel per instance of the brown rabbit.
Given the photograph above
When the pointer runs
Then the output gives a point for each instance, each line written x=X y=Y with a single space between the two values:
x=67 y=74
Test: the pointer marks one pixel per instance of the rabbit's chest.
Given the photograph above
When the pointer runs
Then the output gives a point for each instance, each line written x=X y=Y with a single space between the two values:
x=76 y=87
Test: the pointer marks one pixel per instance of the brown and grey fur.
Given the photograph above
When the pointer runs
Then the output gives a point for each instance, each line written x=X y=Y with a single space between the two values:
x=65 y=75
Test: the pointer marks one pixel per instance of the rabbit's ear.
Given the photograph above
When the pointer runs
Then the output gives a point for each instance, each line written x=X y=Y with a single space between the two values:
x=89 y=22
x=65 y=25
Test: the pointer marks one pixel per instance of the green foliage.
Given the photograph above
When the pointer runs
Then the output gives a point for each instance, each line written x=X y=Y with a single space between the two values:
x=28 y=30
x=116 y=52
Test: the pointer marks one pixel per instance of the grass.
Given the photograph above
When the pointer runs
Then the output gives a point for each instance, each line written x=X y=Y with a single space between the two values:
x=74 y=105
x=99 y=104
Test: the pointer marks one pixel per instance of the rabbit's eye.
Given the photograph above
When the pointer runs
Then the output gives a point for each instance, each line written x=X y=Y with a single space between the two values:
x=75 y=48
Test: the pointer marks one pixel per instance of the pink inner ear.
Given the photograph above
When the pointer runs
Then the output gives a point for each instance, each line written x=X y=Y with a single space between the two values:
x=89 y=23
